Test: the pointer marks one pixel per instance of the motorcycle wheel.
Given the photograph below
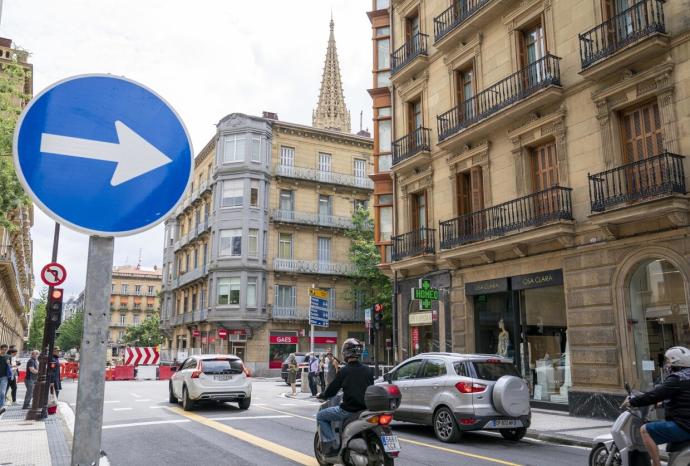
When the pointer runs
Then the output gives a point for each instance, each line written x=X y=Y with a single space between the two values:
x=377 y=457
x=599 y=455
x=318 y=454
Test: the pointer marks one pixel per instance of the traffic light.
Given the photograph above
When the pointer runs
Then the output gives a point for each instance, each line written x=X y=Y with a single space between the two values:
x=55 y=304
x=378 y=317
x=378 y=308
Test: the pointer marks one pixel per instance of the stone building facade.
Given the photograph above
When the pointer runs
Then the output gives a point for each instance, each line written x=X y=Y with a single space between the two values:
x=540 y=182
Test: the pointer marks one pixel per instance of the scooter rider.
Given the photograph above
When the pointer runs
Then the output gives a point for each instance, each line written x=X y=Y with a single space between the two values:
x=675 y=392
x=353 y=378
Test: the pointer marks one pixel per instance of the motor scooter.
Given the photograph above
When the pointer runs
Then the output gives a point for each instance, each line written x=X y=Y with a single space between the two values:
x=365 y=438
x=624 y=445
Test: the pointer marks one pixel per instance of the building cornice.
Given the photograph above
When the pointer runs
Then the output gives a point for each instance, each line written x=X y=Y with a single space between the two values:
x=322 y=134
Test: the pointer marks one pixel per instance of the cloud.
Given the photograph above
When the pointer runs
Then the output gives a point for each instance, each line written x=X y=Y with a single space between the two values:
x=207 y=58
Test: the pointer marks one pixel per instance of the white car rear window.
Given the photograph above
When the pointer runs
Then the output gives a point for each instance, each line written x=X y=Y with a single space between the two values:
x=221 y=366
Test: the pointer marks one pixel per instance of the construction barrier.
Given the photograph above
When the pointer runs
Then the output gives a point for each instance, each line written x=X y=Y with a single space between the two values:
x=146 y=372
x=165 y=372
x=69 y=370
x=22 y=376
x=123 y=373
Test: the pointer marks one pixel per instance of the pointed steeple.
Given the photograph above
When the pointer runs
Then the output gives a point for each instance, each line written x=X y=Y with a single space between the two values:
x=331 y=112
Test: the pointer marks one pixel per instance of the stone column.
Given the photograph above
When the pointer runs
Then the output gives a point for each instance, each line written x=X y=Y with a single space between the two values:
x=605 y=131
x=668 y=121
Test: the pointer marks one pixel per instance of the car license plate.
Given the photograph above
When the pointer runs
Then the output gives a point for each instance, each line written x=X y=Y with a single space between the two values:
x=222 y=377
x=503 y=424
x=390 y=443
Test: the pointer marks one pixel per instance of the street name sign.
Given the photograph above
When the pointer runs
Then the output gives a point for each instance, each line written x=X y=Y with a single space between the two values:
x=425 y=294
x=53 y=274
x=103 y=154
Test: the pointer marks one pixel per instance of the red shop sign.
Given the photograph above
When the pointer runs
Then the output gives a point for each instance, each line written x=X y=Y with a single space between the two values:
x=325 y=340
x=222 y=333
x=237 y=331
x=196 y=333
x=283 y=340
x=211 y=339
x=415 y=337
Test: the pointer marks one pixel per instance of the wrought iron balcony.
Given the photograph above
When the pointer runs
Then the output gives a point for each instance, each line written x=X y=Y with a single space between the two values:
x=416 y=46
x=317 y=267
x=192 y=275
x=411 y=144
x=650 y=178
x=516 y=87
x=311 y=174
x=414 y=243
x=640 y=20
x=304 y=218
x=455 y=15
x=530 y=211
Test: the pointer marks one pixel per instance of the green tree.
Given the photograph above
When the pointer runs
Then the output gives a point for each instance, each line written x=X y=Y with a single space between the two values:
x=13 y=77
x=368 y=284
x=147 y=333
x=71 y=332
x=38 y=322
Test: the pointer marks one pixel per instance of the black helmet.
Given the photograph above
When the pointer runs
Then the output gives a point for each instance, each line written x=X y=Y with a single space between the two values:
x=352 y=348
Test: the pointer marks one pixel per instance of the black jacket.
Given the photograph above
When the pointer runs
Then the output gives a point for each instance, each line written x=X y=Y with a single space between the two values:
x=675 y=391
x=354 y=379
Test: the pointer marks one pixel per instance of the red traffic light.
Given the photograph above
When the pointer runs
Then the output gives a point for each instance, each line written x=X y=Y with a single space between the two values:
x=378 y=308
x=57 y=293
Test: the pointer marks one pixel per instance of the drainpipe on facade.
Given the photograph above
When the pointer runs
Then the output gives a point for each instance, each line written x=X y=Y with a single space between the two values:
x=394 y=219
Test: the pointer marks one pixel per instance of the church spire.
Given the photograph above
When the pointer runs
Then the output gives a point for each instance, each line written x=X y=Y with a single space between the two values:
x=331 y=112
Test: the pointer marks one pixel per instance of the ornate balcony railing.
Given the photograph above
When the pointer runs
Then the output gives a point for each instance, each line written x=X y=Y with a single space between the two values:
x=640 y=20
x=411 y=144
x=414 y=243
x=644 y=179
x=518 y=86
x=304 y=218
x=302 y=266
x=525 y=212
x=416 y=46
x=312 y=174
x=456 y=14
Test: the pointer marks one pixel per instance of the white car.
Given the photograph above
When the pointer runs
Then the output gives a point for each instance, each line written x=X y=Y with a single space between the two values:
x=211 y=377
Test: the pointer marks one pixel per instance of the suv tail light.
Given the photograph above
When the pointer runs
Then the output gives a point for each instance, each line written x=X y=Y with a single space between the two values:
x=468 y=387
x=196 y=374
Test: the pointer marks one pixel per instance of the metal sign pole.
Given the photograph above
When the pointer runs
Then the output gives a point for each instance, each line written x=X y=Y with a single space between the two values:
x=86 y=449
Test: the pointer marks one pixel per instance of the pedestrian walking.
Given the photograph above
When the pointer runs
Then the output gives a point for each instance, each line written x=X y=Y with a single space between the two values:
x=292 y=373
x=14 y=370
x=313 y=373
x=322 y=376
x=4 y=375
x=31 y=377
x=54 y=371
x=331 y=367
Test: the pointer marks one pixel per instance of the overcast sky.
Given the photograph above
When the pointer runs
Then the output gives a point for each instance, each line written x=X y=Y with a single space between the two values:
x=207 y=58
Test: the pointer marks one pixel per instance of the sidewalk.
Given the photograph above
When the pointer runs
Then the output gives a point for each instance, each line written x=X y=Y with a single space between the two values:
x=560 y=427
x=38 y=443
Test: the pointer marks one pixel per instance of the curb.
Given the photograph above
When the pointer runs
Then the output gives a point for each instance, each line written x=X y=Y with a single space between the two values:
x=558 y=439
x=67 y=416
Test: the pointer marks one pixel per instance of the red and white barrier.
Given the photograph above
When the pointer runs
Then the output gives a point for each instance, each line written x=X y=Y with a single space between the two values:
x=145 y=356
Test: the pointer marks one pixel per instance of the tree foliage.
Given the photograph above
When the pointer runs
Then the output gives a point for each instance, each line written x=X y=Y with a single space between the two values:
x=12 y=98
x=368 y=284
x=38 y=322
x=71 y=332
x=147 y=333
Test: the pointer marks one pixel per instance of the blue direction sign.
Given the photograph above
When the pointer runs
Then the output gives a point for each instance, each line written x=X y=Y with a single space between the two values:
x=103 y=154
x=318 y=311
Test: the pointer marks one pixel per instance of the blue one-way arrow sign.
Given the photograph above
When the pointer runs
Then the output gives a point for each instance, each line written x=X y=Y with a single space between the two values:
x=103 y=154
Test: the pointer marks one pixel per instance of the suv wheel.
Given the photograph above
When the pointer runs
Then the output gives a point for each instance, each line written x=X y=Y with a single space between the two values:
x=245 y=402
x=171 y=396
x=445 y=426
x=187 y=403
x=514 y=434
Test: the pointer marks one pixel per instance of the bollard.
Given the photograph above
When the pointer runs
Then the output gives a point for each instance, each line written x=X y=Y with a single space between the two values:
x=305 y=382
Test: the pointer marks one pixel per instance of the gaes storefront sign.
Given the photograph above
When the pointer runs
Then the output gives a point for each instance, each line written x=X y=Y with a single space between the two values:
x=425 y=294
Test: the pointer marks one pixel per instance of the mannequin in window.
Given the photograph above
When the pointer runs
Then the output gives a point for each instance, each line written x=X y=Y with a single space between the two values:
x=503 y=339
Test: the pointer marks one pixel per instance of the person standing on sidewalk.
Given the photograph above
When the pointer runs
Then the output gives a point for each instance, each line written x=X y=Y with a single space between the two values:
x=54 y=371
x=313 y=373
x=331 y=368
x=31 y=377
x=292 y=373
x=322 y=375
x=12 y=382
x=4 y=375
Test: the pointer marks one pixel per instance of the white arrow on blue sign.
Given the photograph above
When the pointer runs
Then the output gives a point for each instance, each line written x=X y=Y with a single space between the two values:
x=103 y=154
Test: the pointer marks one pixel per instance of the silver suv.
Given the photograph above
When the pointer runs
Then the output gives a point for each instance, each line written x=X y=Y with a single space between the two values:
x=459 y=392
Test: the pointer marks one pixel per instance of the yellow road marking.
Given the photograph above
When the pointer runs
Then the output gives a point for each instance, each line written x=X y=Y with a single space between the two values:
x=285 y=452
x=415 y=442
x=457 y=452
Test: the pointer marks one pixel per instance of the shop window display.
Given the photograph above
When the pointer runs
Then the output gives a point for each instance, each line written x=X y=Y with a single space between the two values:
x=495 y=323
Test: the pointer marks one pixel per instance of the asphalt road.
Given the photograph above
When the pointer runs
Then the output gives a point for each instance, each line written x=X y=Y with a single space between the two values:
x=140 y=427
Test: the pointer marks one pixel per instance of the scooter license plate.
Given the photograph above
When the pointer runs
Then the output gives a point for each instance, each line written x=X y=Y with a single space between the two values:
x=503 y=424
x=390 y=443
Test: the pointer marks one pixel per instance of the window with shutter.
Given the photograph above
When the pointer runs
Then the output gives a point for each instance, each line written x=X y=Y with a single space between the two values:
x=642 y=138
x=545 y=176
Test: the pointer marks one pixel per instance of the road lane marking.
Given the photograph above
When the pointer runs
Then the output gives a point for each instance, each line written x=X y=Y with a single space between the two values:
x=148 y=423
x=288 y=404
x=294 y=455
x=157 y=407
x=458 y=452
x=240 y=418
x=122 y=409
x=143 y=399
x=135 y=395
x=258 y=404
x=310 y=419
x=113 y=401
